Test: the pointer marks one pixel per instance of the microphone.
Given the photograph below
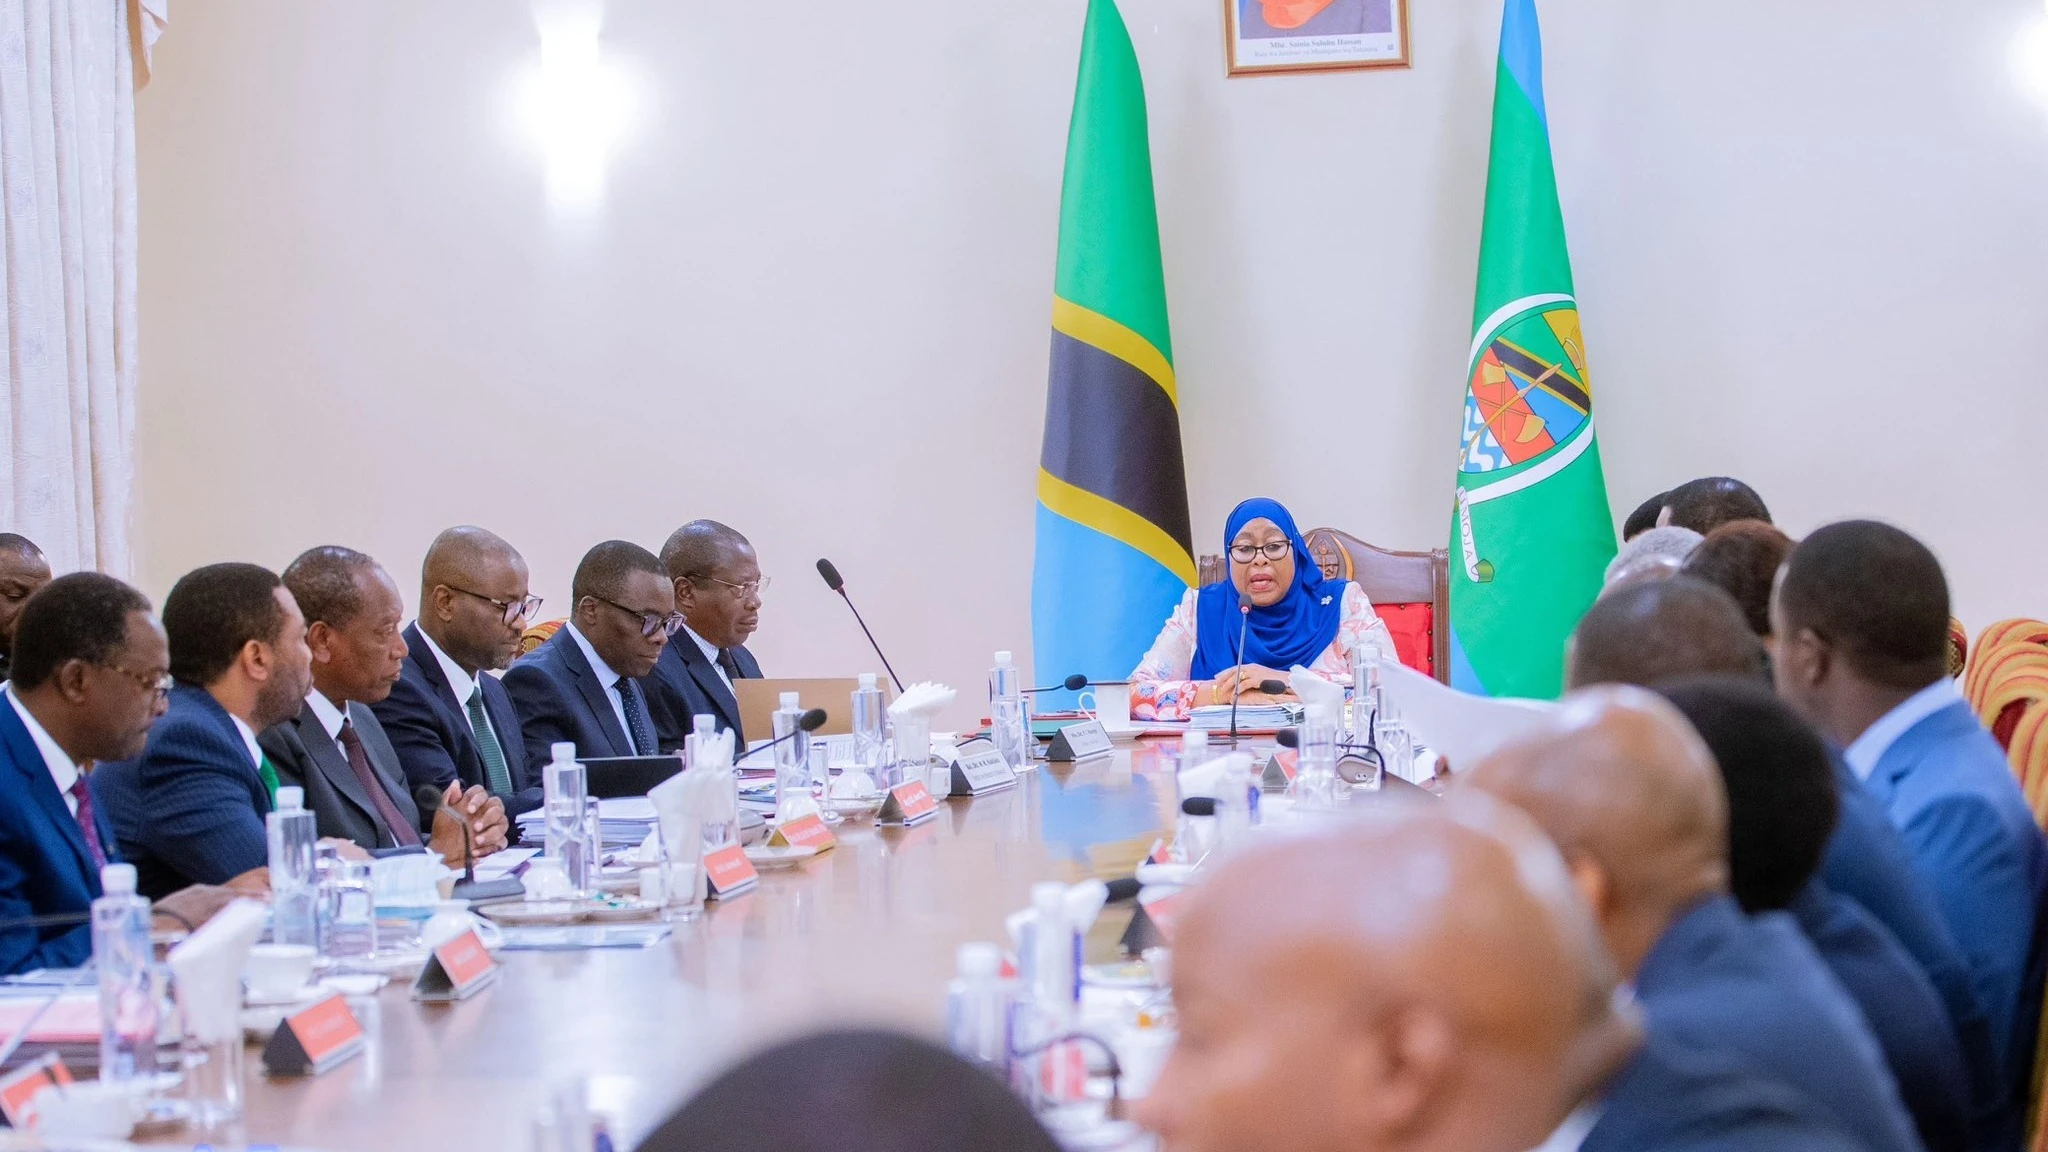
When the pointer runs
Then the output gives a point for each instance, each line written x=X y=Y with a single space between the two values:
x=1198 y=806
x=1244 y=606
x=838 y=585
x=808 y=722
x=1073 y=683
x=469 y=887
x=1124 y=889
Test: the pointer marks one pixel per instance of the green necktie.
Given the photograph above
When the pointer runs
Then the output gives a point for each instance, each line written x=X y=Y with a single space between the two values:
x=496 y=776
x=268 y=772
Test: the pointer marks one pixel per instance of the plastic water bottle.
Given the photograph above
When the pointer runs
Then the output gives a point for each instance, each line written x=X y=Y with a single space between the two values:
x=1008 y=725
x=793 y=754
x=121 y=954
x=1055 y=1077
x=870 y=725
x=1366 y=691
x=565 y=787
x=702 y=728
x=1315 y=766
x=978 y=1008
x=294 y=886
x=1396 y=745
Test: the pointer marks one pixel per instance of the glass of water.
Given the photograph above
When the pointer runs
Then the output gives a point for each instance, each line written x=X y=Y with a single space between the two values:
x=348 y=905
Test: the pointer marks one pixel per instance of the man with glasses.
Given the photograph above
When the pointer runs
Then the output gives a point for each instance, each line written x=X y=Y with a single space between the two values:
x=718 y=586
x=584 y=685
x=91 y=675
x=448 y=719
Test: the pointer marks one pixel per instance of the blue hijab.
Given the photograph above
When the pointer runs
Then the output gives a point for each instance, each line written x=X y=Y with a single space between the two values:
x=1293 y=630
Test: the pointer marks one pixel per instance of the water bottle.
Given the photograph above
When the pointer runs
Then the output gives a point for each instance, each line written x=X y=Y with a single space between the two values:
x=348 y=911
x=121 y=954
x=1396 y=746
x=565 y=788
x=978 y=1008
x=1315 y=766
x=1051 y=976
x=792 y=755
x=870 y=723
x=1008 y=724
x=702 y=728
x=1366 y=692
x=294 y=887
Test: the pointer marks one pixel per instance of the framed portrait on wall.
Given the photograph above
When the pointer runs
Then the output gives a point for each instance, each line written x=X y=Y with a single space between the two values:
x=1314 y=35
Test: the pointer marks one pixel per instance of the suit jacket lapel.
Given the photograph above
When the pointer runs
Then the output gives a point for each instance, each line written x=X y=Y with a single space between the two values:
x=594 y=695
x=705 y=673
x=28 y=760
x=328 y=760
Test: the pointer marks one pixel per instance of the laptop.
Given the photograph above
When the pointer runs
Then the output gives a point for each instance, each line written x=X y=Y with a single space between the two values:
x=759 y=699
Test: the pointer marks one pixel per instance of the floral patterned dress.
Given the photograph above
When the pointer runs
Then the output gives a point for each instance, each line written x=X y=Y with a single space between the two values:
x=1161 y=690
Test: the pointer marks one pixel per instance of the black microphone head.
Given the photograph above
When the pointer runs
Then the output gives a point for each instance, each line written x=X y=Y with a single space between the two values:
x=1244 y=601
x=428 y=798
x=1199 y=806
x=1076 y=682
x=1124 y=889
x=1273 y=687
x=811 y=721
x=1288 y=737
x=831 y=575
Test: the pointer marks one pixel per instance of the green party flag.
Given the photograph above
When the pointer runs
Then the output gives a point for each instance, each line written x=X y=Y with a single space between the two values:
x=1531 y=530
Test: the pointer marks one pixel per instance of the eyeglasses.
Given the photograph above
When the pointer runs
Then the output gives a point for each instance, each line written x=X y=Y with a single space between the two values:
x=650 y=622
x=159 y=685
x=1271 y=550
x=513 y=609
x=747 y=591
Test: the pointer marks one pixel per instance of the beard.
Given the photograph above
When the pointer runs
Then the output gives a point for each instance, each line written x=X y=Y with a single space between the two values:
x=280 y=699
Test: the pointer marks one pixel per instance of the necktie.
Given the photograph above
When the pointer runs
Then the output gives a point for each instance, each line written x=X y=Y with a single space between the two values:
x=497 y=777
x=403 y=834
x=636 y=718
x=267 y=772
x=731 y=664
x=87 y=824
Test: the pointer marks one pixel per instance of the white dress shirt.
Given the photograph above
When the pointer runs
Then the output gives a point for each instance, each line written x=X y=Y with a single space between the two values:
x=711 y=652
x=463 y=685
x=1878 y=739
x=605 y=676
x=330 y=717
x=1573 y=1132
x=63 y=770
x=248 y=740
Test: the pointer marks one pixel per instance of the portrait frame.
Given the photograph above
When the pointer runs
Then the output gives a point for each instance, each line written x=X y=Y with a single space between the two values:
x=1269 y=51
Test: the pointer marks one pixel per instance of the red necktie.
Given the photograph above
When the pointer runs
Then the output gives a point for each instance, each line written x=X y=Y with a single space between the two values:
x=87 y=823
x=403 y=834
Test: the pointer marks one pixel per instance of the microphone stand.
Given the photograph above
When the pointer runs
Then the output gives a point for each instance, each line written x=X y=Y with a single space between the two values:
x=1244 y=606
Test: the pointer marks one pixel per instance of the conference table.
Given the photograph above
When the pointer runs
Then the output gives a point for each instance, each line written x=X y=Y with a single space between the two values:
x=862 y=934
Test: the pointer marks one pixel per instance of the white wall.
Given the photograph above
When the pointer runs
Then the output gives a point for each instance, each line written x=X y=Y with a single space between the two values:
x=1810 y=245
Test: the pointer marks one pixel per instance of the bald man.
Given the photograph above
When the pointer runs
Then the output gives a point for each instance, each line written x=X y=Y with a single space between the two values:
x=447 y=717
x=23 y=569
x=1634 y=800
x=1462 y=1001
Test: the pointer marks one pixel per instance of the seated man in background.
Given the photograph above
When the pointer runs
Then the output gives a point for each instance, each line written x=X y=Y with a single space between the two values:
x=1686 y=628
x=1463 y=1001
x=1711 y=501
x=91 y=670
x=190 y=810
x=1860 y=628
x=335 y=749
x=718 y=585
x=1651 y=555
x=583 y=686
x=22 y=570
x=1643 y=518
x=1781 y=811
x=448 y=719
x=1632 y=798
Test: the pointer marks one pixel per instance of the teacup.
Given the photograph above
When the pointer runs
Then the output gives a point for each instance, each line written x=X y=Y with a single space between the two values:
x=275 y=971
x=1109 y=703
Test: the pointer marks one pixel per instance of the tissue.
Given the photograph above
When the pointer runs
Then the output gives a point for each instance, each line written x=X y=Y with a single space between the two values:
x=206 y=968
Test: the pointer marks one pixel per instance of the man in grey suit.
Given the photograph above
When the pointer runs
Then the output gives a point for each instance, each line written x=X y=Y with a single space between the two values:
x=335 y=749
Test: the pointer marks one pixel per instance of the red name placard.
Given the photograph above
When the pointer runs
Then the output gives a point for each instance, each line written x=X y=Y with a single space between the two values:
x=728 y=871
x=908 y=804
x=455 y=969
x=314 y=1039
x=18 y=1091
x=806 y=832
x=1162 y=913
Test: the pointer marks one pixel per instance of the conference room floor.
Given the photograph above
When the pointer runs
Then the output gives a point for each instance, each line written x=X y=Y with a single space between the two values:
x=864 y=933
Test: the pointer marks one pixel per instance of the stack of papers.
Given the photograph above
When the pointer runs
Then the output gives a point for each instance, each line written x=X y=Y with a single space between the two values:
x=622 y=823
x=1250 y=717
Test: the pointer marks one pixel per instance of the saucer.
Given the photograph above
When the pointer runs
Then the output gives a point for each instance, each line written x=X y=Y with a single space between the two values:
x=300 y=995
x=768 y=859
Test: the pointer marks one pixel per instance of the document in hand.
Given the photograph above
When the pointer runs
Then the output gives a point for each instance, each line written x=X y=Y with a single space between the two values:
x=1460 y=727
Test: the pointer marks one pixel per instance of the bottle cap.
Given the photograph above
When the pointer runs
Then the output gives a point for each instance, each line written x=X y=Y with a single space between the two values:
x=1049 y=895
x=1194 y=741
x=703 y=725
x=789 y=700
x=291 y=799
x=980 y=960
x=562 y=750
x=1002 y=659
x=118 y=879
x=867 y=681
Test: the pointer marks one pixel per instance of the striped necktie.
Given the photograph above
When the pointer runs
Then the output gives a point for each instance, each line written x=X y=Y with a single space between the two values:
x=497 y=777
x=87 y=823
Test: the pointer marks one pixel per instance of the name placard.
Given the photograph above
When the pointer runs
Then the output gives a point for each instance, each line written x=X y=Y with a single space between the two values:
x=728 y=872
x=1152 y=924
x=1280 y=769
x=314 y=1039
x=456 y=970
x=981 y=769
x=910 y=803
x=806 y=832
x=18 y=1091
x=1079 y=742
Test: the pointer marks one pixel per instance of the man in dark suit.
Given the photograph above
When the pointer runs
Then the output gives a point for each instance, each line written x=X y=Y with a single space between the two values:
x=583 y=686
x=22 y=570
x=190 y=810
x=1860 y=617
x=448 y=719
x=335 y=749
x=1633 y=799
x=1781 y=811
x=718 y=585
x=91 y=670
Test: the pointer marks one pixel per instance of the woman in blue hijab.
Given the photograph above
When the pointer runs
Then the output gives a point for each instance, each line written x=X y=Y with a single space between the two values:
x=1277 y=597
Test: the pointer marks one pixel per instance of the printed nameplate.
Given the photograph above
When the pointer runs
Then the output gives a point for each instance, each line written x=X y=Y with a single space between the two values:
x=1280 y=769
x=981 y=769
x=1080 y=741
x=314 y=1039
x=728 y=872
x=456 y=970
x=909 y=803
x=18 y=1090
x=806 y=832
x=1152 y=924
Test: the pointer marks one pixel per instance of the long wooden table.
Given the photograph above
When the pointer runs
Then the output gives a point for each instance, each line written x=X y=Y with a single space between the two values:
x=864 y=933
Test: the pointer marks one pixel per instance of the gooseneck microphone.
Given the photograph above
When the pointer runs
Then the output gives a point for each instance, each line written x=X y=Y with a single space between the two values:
x=1073 y=683
x=808 y=722
x=1244 y=607
x=469 y=887
x=838 y=585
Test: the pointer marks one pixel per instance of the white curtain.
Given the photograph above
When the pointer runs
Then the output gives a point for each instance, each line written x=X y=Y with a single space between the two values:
x=67 y=191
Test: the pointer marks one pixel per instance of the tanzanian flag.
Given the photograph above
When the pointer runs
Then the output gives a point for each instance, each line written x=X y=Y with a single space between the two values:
x=1531 y=528
x=1113 y=554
